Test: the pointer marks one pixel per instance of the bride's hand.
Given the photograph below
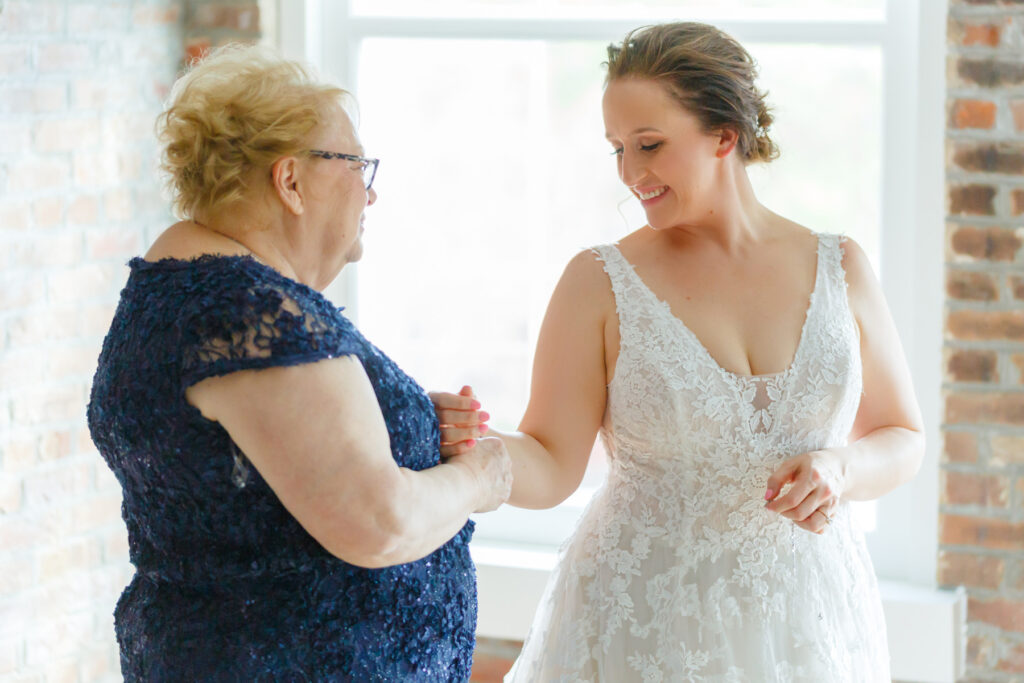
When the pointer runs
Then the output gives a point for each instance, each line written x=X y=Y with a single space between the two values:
x=816 y=485
x=462 y=421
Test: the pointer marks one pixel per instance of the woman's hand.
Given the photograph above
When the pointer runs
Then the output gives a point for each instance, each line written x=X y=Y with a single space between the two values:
x=491 y=464
x=815 y=486
x=462 y=421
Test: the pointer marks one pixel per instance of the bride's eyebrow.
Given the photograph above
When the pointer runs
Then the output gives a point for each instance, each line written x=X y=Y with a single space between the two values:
x=642 y=129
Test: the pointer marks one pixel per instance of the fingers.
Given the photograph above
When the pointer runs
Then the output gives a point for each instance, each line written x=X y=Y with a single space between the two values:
x=818 y=522
x=462 y=418
x=451 y=450
x=780 y=477
x=802 y=486
x=452 y=435
x=445 y=401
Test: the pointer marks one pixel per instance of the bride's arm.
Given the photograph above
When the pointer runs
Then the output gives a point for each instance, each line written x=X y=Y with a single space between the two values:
x=567 y=394
x=887 y=442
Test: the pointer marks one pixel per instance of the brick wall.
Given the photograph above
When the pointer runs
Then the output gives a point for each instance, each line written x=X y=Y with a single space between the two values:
x=80 y=86
x=982 y=495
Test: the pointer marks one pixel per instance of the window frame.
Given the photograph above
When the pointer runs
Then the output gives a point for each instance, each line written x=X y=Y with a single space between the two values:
x=910 y=34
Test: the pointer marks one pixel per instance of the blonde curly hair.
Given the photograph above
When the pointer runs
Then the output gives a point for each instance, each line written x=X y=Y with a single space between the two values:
x=708 y=72
x=231 y=116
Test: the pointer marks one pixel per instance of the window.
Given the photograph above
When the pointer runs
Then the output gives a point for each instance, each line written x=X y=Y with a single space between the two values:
x=495 y=172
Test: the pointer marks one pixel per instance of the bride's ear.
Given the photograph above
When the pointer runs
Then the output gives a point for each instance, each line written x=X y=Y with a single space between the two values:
x=728 y=138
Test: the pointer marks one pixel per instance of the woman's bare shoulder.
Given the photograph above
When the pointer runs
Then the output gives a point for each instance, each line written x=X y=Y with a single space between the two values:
x=188 y=240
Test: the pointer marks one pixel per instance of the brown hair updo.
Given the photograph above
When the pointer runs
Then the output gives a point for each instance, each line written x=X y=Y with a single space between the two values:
x=236 y=112
x=707 y=72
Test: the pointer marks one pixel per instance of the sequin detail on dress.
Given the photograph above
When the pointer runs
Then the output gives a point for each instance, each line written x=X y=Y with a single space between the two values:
x=228 y=585
x=676 y=571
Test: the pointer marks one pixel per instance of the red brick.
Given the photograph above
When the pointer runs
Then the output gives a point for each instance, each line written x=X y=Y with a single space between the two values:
x=489 y=669
x=1013 y=662
x=963 y=569
x=968 y=365
x=1017 y=112
x=960 y=446
x=110 y=16
x=29 y=330
x=96 y=319
x=19 y=455
x=196 y=49
x=19 y=290
x=980 y=34
x=48 y=212
x=1007 y=449
x=1018 y=360
x=149 y=16
x=92 y=93
x=83 y=210
x=982 y=532
x=74 y=361
x=59 y=249
x=37 y=174
x=990 y=157
x=972 y=200
x=1006 y=614
x=989 y=73
x=37 y=16
x=15 y=60
x=965 y=488
x=53 y=404
x=1017 y=202
x=117 y=204
x=243 y=16
x=992 y=244
x=17 y=139
x=986 y=325
x=14 y=214
x=66 y=135
x=119 y=244
x=971 y=285
x=54 y=445
x=985 y=408
x=64 y=57
x=979 y=650
x=78 y=283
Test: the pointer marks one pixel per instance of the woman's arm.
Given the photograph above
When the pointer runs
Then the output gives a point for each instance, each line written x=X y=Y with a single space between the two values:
x=887 y=441
x=316 y=434
x=567 y=394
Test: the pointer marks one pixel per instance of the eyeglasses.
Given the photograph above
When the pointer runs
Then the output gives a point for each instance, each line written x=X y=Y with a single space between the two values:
x=368 y=167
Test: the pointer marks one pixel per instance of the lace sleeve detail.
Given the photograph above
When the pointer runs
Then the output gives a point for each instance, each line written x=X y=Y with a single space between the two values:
x=258 y=325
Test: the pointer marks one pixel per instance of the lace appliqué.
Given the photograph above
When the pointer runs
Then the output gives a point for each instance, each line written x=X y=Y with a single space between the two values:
x=676 y=571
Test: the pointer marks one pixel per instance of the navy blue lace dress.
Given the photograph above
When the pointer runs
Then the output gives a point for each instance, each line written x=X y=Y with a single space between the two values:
x=228 y=585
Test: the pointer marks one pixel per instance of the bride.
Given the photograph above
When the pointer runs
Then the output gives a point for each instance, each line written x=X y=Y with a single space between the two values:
x=747 y=380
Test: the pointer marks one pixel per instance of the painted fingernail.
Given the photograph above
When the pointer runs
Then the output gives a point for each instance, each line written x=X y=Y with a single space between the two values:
x=483 y=429
x=484 y=416
x=769 y=494
x=471 y=443
x=475 y=405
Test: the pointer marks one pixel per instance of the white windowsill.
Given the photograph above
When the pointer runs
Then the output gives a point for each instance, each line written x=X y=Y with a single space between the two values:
x=926 y=626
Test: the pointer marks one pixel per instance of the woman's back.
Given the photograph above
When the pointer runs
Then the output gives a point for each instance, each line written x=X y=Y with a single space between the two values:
x=229 y=586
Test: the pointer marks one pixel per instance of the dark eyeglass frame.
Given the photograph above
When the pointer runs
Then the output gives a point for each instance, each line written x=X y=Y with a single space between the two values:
x=366 y=161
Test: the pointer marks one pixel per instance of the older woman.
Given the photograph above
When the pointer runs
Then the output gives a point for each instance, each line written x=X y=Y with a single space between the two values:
x=288 y=513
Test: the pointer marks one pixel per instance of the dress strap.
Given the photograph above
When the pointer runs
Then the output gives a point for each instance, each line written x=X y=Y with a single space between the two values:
x=618 y=270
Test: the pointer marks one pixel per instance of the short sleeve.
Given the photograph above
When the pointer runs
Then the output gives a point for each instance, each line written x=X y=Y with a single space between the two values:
x=253 y=325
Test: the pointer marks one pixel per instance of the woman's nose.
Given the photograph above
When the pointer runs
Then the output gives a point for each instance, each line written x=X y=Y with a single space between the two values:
x=631 y=170
x=371 y=197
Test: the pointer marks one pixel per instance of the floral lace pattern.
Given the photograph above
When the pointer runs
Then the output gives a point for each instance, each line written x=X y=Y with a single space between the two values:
x=676 y=571
x=228 y=585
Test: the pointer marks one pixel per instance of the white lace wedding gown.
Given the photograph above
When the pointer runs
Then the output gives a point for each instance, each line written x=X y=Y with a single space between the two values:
x=676 y=571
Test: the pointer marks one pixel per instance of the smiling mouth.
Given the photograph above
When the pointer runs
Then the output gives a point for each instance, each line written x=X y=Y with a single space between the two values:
x=652 y=194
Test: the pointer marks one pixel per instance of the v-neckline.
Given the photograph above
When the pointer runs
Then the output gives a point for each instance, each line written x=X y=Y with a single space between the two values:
x=739 y=376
